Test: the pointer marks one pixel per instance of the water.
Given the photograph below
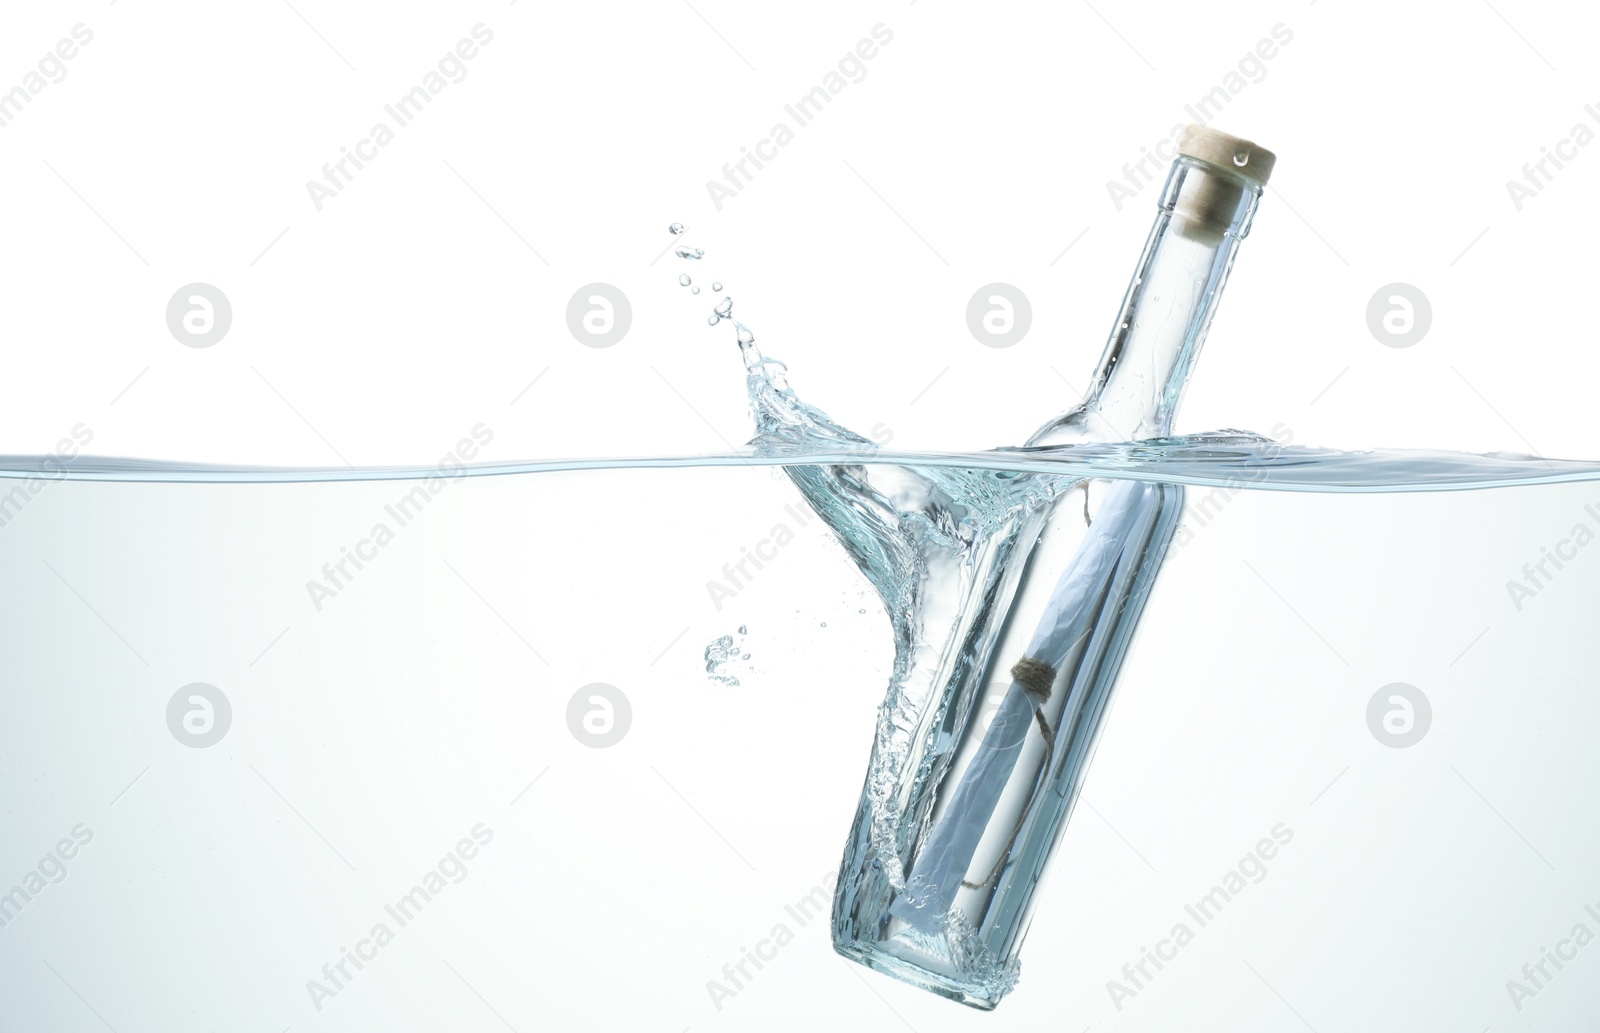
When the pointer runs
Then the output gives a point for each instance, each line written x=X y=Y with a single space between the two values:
x=931 y=533
x=408 y=708
x=406 y=690
x=1220 y=459
x=929 y=530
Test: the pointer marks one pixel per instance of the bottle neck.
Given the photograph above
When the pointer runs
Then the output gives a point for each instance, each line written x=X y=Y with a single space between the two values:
x=1205 y=211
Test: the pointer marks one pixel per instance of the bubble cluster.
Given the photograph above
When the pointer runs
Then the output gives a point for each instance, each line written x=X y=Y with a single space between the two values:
x=724 y=308
x=720 y=653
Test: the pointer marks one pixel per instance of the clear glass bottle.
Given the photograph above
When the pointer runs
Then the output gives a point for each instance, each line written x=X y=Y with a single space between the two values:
x=984 y=793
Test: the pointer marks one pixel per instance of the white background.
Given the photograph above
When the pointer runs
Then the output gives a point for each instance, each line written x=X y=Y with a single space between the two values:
x=430 y=294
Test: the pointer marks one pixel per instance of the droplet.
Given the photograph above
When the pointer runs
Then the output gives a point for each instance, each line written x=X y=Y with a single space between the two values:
x=694 y=290
x=824 y=624
x=1242 y=159
x=676 y=228
x=745 y=657
x=725 y=308
x=713 y=319
x=691 y=253
x=683 y=279
x=861 y=611
x=742 y=630
x=716 y=285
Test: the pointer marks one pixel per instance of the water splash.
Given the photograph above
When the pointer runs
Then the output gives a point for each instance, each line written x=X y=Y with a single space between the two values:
x=718 y=654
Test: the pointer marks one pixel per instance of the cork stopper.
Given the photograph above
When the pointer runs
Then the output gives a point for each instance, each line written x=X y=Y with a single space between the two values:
x=1206 y=204
x=1244 y=158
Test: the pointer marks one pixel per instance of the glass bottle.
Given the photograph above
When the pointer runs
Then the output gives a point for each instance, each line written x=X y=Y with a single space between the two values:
x=983 y=793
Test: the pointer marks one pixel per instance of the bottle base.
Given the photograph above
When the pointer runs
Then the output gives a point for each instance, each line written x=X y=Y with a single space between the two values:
x=879 y=960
